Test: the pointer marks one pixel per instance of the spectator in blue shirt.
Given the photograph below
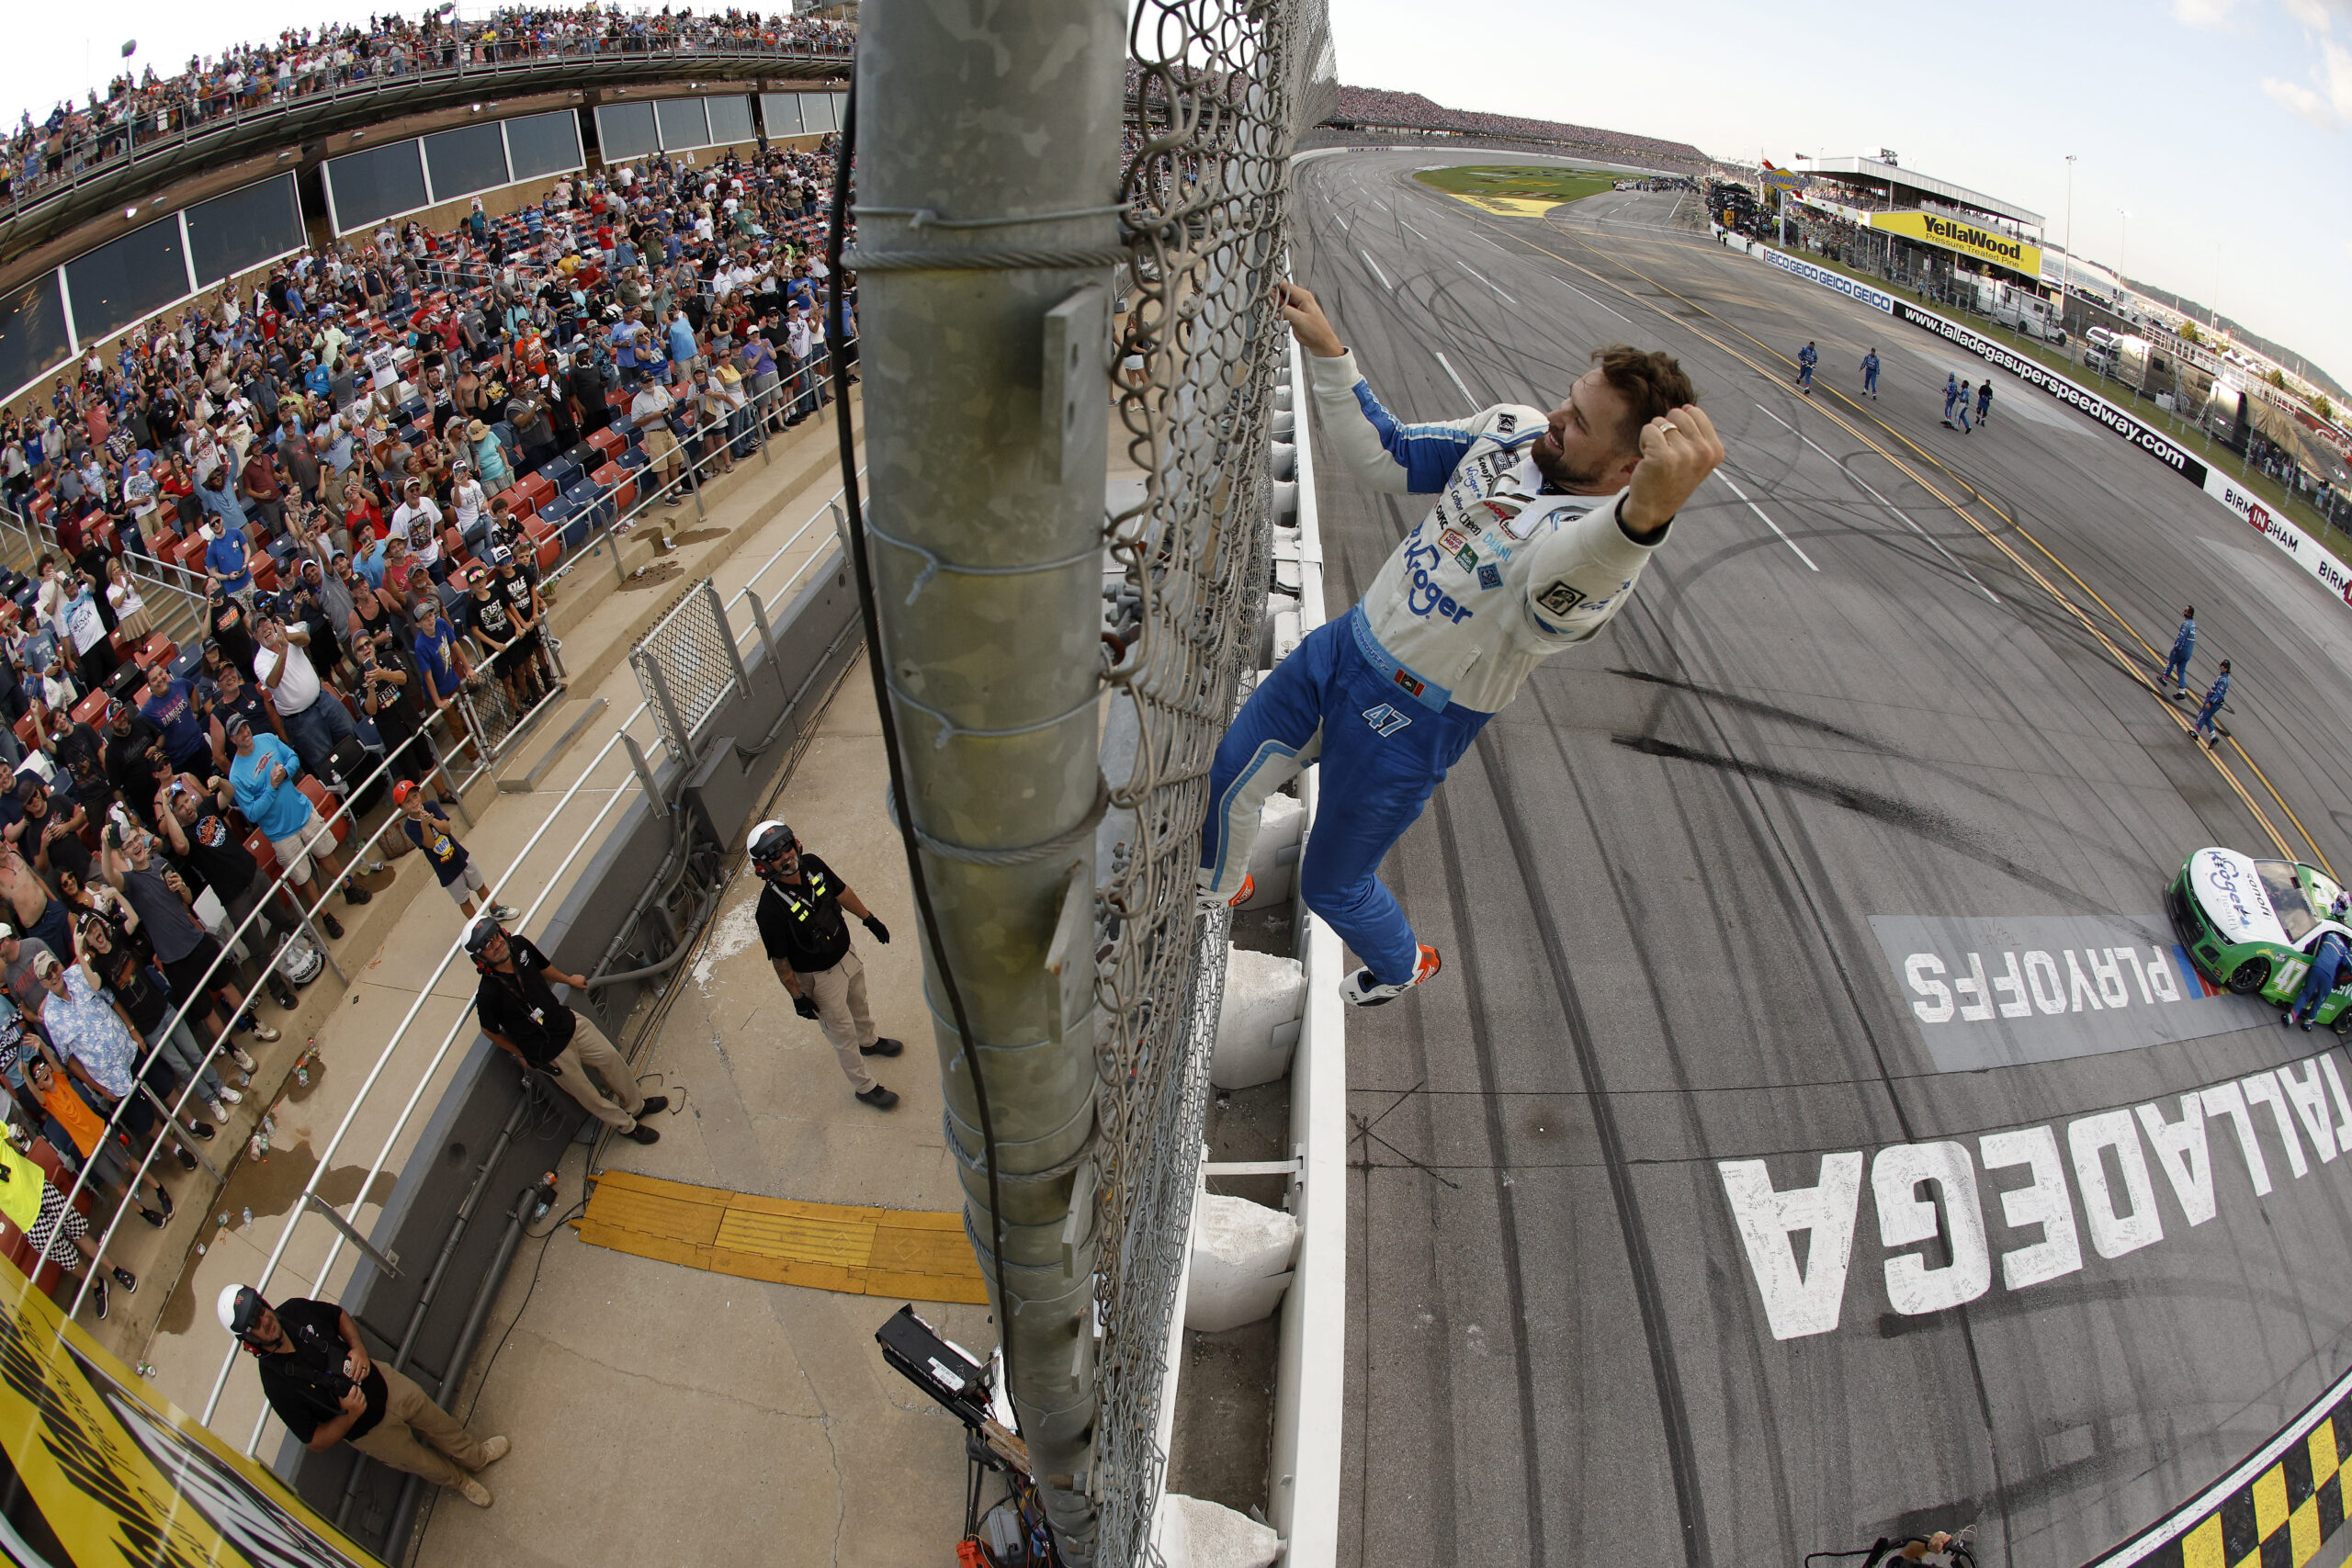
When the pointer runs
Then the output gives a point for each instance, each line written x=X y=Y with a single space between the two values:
x=262 y=779
x=682 y=345
x=441 y=658
x=219 y=502
x=171 y=707
x=224 y=557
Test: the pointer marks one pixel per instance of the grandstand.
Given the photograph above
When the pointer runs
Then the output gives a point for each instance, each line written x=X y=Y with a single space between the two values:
x=1378 y=109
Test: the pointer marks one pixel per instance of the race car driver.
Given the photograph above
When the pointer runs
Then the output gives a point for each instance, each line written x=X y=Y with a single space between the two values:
x=1542 y=524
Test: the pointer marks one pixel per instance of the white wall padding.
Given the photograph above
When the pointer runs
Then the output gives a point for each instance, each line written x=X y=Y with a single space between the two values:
x=1258 y=1029
x=1274 y=859
x=1241 y=1254
x=1197 y=1533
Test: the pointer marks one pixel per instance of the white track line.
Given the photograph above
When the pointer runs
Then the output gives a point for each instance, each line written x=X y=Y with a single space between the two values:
x=1474 y=404
x=1574 y=290
x=1473 y=272
x=1377 y=273
x=1768 y=522
x=1874 y=495
x=1415 y=233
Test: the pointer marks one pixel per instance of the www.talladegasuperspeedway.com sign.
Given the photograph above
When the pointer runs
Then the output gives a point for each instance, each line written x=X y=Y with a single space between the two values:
x=2036 y=374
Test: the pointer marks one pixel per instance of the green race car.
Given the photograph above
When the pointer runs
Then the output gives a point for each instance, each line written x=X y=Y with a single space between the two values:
x=2250 y=926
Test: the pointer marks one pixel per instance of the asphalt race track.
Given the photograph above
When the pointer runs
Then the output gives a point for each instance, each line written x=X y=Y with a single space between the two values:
x=1896 y=682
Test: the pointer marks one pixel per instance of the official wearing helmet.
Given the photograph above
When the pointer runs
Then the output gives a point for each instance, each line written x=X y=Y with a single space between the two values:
x=318 y=1377
x=517 y=1006
x=801 y=923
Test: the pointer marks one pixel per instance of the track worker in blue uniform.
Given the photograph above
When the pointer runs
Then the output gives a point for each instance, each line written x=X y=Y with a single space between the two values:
x=2209 y=727
x=2184 y=646
x=2329 y=956
x=1543 y=521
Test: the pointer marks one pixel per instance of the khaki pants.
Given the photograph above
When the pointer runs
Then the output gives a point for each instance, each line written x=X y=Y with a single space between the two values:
x=841 y=1013
x=589 y=1048
x=410 y=1423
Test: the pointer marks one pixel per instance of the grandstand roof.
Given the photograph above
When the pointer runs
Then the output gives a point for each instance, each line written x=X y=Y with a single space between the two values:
x=1912 y=179
x=1377 y=107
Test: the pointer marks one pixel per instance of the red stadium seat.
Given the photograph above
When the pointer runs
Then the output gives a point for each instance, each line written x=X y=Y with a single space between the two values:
x=88 y=710
x=264 y=855
x=539 y=488
x=157 y=650
x=265 y=574
x=520 y=504
x=26 y=736
x=549 y=541
x=330 y=810
x=608 y=441
x=620 y=482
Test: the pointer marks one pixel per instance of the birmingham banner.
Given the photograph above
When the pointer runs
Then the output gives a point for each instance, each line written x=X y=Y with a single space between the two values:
x=108 y=1473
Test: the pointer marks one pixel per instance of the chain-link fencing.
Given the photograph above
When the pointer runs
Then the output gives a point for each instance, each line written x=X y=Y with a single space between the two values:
x=1217 y=92
x=685 y=666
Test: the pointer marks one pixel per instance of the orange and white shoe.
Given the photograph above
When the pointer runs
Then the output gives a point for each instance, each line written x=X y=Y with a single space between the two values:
x=1360 y=989
x=1211 y=903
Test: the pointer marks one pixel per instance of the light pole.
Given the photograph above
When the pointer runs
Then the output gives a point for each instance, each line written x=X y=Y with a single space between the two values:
x=2067 y=267
x=2122 y=252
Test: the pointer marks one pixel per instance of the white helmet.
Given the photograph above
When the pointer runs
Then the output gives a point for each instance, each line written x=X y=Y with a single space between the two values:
x=768 y=843
x=238 y=1307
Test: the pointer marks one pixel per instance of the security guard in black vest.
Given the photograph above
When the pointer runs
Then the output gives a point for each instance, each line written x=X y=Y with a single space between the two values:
x=801 y=923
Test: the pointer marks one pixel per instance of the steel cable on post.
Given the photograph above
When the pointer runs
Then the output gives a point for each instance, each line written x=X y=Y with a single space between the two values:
x=869 y=612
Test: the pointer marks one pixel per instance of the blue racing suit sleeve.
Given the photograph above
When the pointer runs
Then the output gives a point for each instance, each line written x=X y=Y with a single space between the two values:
x=1381 y=450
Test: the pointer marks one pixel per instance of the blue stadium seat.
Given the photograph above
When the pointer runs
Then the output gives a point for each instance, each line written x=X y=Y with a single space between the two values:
x=563 y=473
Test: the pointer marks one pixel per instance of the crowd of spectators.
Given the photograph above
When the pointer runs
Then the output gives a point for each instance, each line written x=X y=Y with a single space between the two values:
x=302 y=62
x=1374 y=109
x=350 y=456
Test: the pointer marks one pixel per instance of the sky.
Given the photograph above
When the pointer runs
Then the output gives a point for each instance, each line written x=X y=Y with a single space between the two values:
x=2222 y=127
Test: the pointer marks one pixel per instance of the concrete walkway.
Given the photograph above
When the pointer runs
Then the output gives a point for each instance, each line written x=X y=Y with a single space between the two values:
x=663 y=1415
x=621 y=1371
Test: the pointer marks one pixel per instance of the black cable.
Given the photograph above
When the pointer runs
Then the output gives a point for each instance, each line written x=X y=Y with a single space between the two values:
x=900 y=797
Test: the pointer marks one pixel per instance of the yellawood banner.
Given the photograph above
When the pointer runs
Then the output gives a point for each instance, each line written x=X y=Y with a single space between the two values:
x=1986 y=244
x=119 y=1475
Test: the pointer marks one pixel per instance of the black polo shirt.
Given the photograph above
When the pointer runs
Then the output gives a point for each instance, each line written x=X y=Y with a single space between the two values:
x=522 y=1005
x=304 y=1385
x=802 y=924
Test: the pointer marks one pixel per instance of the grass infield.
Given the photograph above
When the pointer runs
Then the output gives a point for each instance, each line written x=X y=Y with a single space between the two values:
x=1518 y=182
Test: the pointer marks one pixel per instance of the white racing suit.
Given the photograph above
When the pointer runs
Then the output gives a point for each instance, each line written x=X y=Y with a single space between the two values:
x=1497 y=578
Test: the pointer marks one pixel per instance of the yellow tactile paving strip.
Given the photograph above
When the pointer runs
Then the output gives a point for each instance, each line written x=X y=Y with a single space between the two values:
x=827 y=1246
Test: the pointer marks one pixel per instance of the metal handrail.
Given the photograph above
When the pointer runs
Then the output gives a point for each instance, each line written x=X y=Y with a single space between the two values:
x=460 y=1027
x=189 y=129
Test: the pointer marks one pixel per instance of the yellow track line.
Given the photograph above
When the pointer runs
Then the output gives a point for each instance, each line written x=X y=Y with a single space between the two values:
x=2122 y=662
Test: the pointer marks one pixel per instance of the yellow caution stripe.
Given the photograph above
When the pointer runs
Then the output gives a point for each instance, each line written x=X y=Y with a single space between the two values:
x=2275 y=1509
x=853 y=1248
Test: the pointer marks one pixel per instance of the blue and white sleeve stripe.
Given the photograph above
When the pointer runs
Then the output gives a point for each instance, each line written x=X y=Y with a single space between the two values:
x=1427 y=453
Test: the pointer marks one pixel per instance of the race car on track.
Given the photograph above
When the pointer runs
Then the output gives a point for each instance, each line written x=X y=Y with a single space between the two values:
x=2250 y=925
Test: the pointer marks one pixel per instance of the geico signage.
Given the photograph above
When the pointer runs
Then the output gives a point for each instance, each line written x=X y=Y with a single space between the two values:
x=1966 y=238
x=1876 y=299
x=2036 y=374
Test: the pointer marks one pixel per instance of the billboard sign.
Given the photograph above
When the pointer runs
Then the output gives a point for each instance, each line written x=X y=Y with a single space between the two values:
x=1952 y=234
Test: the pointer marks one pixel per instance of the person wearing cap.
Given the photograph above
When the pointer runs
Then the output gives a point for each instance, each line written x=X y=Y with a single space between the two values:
x=262 y=778
x=799 y=917
x=225 y=556
x=440 y=658
x=520 y=1014
x=102 y=1048
x=489 y=457
x=111 y=1167
x=171 y=707
x=229 y=624
x=315 y=721
x=50 y=837
x=198 y=972
x=388 y=697
x=426 y=826
x=524 y=604
x=650 y=411
x=494 y=629
x=320 y=1380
